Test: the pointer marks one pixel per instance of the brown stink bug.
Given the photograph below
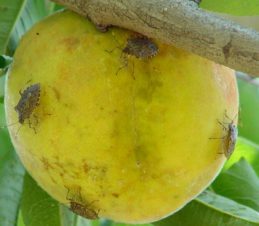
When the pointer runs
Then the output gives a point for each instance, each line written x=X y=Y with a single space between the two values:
x=29 y=100
x=230 y=138
x=141 y=47
x=138 y=46
x=81 y=209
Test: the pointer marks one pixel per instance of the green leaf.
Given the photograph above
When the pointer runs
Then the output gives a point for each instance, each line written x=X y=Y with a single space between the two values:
x=240 y=183
x=9 y=13
x=120 y=224
x=84 y=222
x=6 y=146
x=20 y=220
x=249 y=117
x=234 y=7
x=210 y=209
x=58 y=7
x=11 y=178
x=245 y=149
x=5 y=61
x=5 y=142
x=68 y=218
x=2 y=83
x=39 y=209
x=1 y=101
x=105 y=222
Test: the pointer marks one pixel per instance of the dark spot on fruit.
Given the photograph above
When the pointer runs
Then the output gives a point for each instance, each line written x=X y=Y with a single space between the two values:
x=46 y=163
x=86 y=167
x=53 y=180
x=116 y=195
x=68 y=120
x=70 y=43
x=56 y=92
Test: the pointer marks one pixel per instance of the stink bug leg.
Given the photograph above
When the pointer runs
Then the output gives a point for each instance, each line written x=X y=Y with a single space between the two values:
x=31 y=124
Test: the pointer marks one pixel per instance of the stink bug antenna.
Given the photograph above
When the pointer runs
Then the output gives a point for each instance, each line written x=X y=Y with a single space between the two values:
x=119 y=46
x=222 y=124
x=232 y=120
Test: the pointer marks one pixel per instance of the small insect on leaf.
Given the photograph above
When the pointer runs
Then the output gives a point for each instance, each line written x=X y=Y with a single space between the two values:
x=140 y=47
x=29 y=100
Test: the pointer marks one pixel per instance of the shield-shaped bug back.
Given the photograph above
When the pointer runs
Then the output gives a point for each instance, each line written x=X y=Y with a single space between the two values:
x=29 y=100
x=140 y=47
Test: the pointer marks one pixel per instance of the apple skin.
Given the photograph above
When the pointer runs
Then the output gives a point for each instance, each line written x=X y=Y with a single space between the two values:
x=131 y=145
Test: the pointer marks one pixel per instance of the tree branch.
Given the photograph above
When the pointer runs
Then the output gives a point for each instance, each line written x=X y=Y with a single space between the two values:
x=181 y=23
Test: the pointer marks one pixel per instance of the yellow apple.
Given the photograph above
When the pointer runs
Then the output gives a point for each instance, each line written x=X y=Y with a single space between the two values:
x=113 y=135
